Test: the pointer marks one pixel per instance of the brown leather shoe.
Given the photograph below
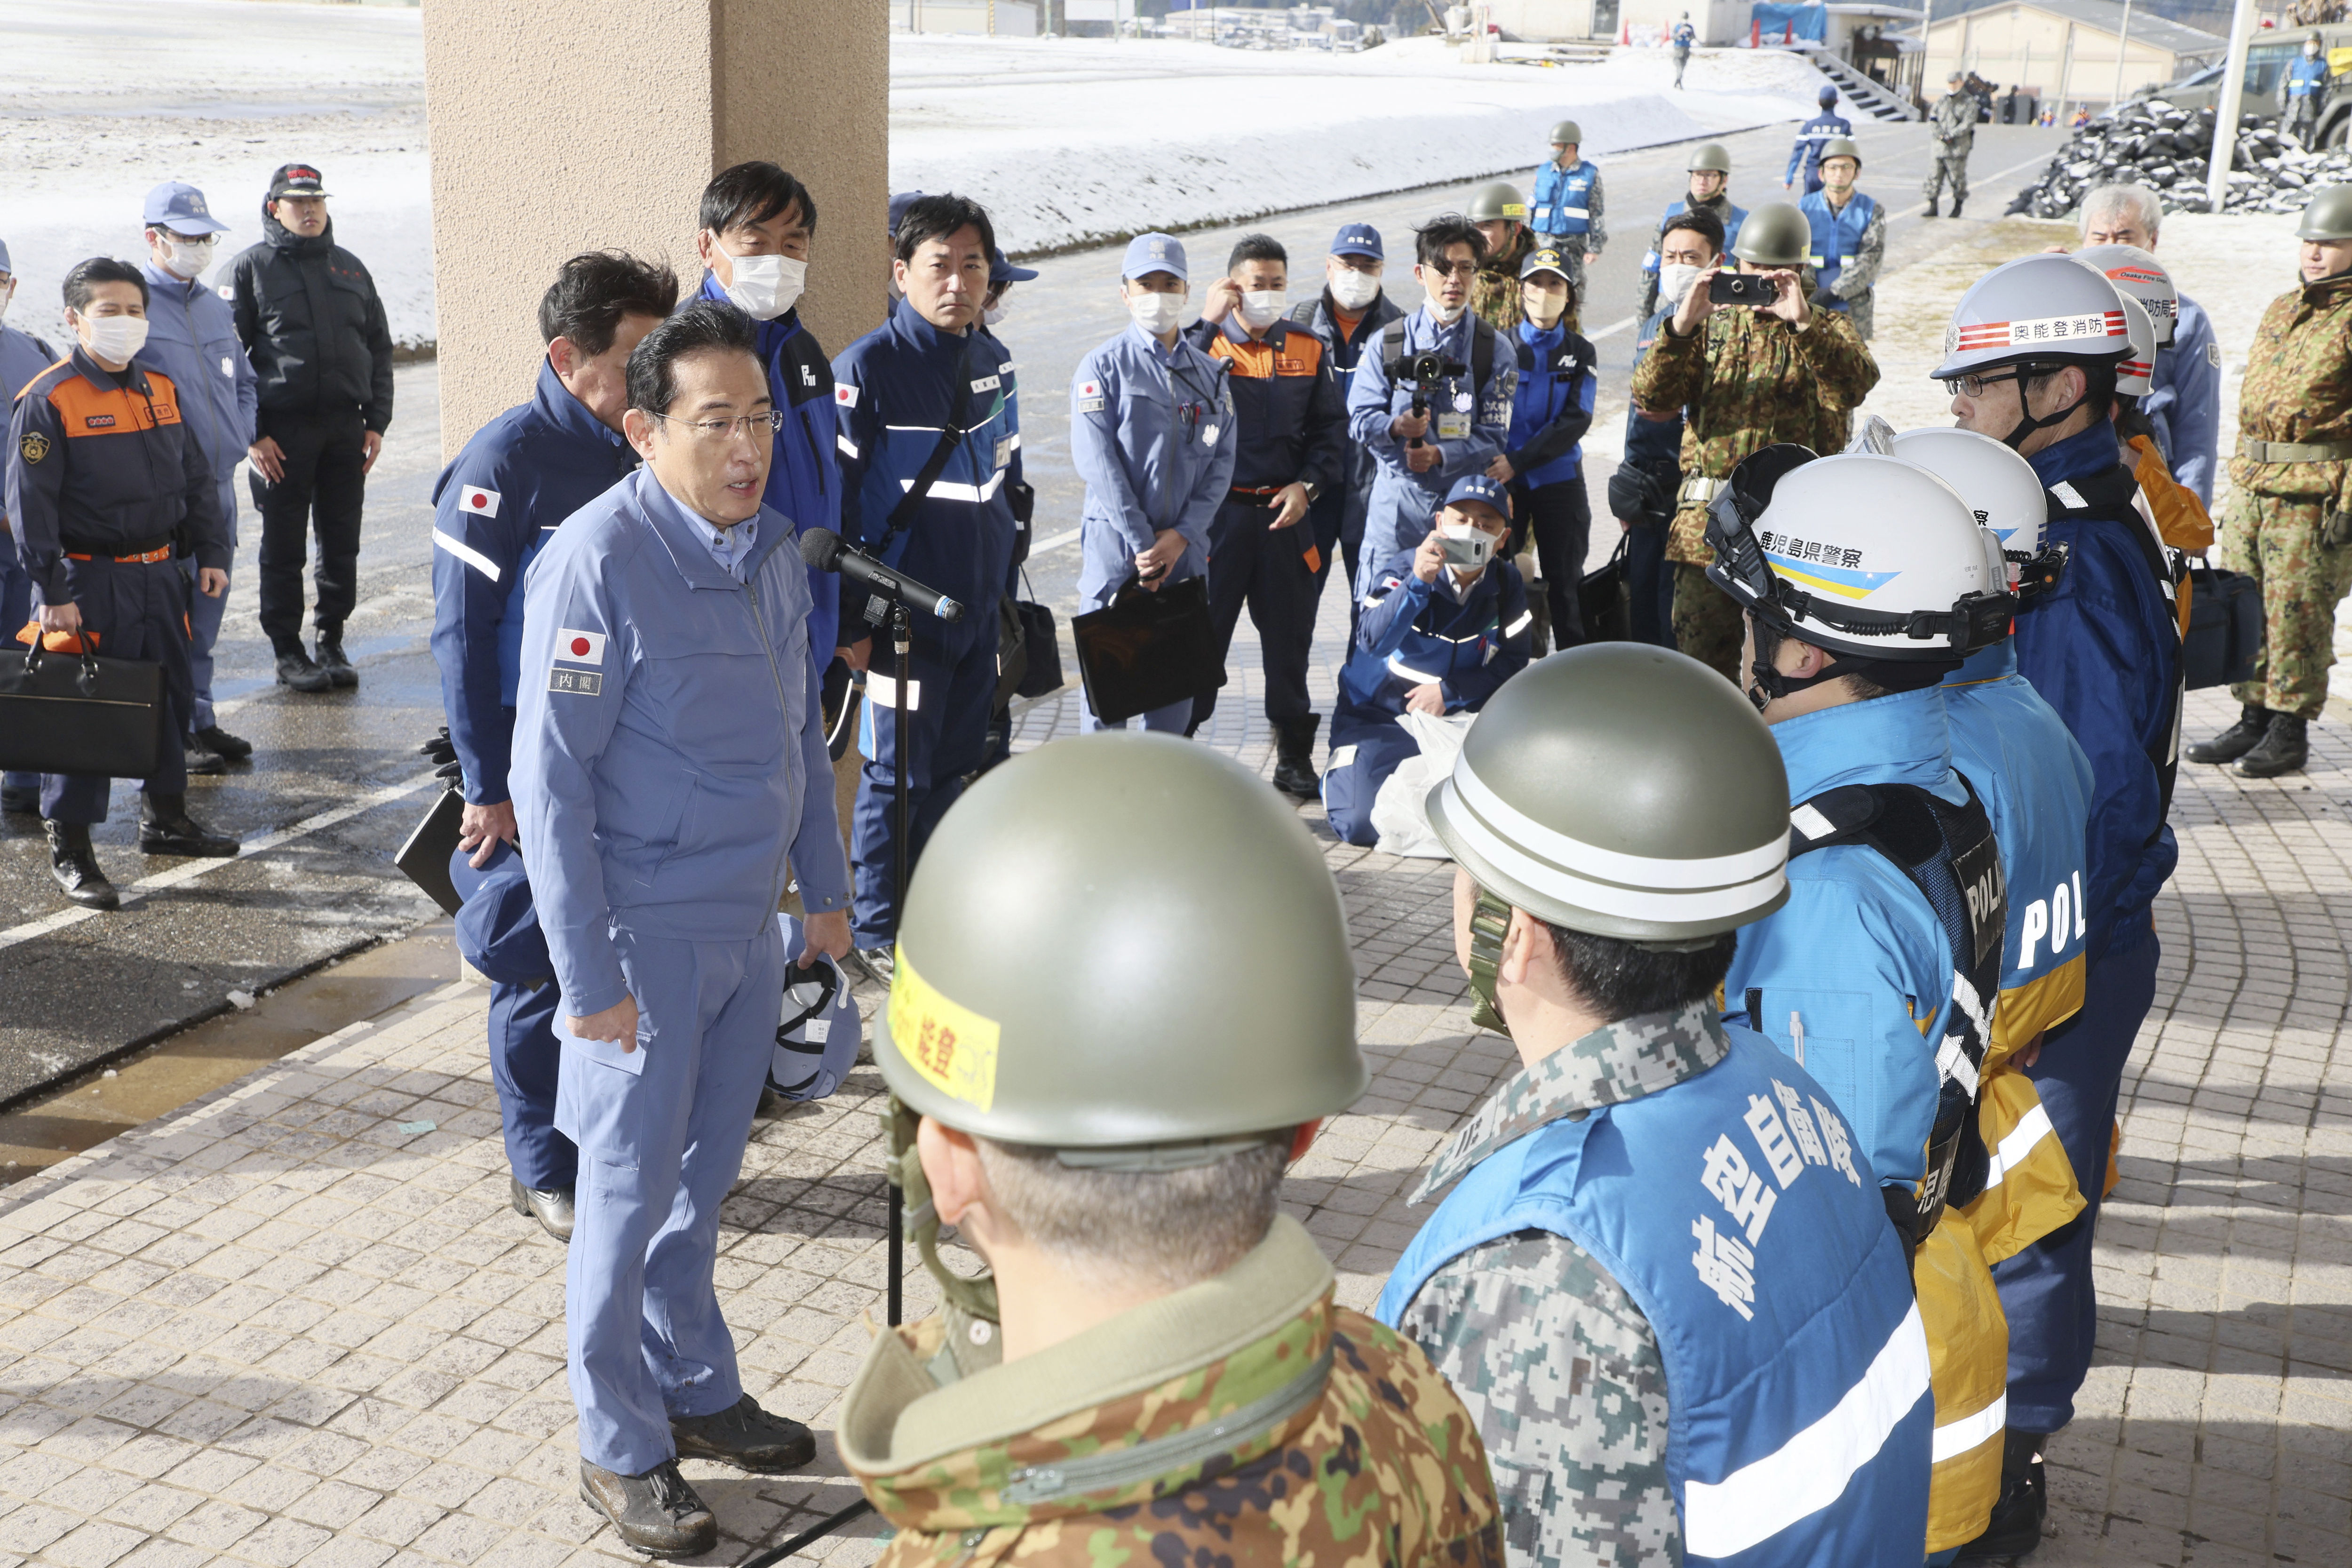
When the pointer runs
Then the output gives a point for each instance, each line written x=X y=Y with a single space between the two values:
x=656 y=1513
x=745 y=1437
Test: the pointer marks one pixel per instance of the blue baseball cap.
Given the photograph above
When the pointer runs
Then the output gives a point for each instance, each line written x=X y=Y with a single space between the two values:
x=1479 y=488
x=1357 y=239
x=498 y=924
x=1000 y=270
x=1154 y=253
x=899 y=206
x=181 y=207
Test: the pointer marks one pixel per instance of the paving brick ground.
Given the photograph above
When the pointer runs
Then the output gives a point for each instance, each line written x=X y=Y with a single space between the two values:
x=282 y=1327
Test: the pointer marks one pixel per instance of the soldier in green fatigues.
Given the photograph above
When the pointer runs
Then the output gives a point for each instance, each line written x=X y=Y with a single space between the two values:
x=1100 y=1063
x=1501 y=214
x=1954 y=121
x=1748 y=378
x=2290 y=526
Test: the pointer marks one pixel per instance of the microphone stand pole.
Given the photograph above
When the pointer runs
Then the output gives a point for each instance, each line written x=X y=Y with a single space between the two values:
x=902 y=643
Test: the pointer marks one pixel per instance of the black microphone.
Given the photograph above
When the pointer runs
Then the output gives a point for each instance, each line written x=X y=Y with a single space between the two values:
x=822 y=549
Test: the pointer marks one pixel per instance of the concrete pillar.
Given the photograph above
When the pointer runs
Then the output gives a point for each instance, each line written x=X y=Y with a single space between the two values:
x=558 y=127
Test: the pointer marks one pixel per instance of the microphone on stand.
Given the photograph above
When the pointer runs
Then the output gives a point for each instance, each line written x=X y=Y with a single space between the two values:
x=822 y=549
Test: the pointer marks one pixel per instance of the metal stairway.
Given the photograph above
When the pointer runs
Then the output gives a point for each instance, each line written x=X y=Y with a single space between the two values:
x=1852 y=86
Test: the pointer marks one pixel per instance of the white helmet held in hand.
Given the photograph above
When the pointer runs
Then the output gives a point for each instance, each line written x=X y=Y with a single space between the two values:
x=2000 y=488
x=2137 y=275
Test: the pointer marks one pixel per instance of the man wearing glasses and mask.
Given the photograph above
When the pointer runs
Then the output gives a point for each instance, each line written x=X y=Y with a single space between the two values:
x=670 y=779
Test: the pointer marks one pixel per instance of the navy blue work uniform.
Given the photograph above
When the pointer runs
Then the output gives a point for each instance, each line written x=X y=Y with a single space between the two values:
x=494 y=508
x=1655 y=447
x=669 y=759
x=1549 y=416
x=1469 y=422
x=1151 y=433
x=22 y=357
x=1337 y=514
x=1290 y=422
x=896 y=389
x=2103 y=648
x=1468 y=638
x=802 y=481
x=107 y=487
x=1805 y=153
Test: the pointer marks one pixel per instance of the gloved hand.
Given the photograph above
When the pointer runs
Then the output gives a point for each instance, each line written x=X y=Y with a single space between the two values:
x=1825 y=298
x=439 y=749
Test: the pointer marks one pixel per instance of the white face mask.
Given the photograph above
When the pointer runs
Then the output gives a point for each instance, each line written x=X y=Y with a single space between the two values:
x=1262 y=307
x=1353 y=291
x=6 y=295
x=1158 y=314
x=1445 y=317
x=765 y=287
x=992 y=314
x=188 y=259
x=1675 y=280
x=116 y=337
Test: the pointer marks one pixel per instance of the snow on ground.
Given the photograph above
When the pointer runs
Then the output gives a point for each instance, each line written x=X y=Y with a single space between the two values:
x=1070 y=142
x=102 y=99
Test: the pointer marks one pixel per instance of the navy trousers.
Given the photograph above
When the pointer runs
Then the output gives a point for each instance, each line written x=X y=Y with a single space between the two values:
x=946 y=736
x=139 y=610
x=16 y=609
x=2046 y=1291
x=526 y=1063
x=1255 y=566
x=1649 y=582
x=1363 y=755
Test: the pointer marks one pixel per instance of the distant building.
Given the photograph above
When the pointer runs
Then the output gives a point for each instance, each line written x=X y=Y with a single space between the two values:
x=2064 y=51
x=1003 y=18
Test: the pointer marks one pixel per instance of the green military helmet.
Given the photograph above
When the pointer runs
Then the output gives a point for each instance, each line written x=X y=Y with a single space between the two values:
x=1568 y=134
x=1841 y=147
x=1624 y=790
x=1710 y=156
x=2327 y=216
x=1122 y=944
x=1497 y=201
x=1775 y=235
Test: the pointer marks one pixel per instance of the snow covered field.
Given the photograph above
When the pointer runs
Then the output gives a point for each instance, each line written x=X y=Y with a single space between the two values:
x=100 y=99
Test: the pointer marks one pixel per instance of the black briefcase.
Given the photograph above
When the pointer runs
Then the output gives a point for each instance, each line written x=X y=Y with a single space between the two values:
x=1012 y=652
x=425 y=859
x=1145 y=650
x=1607 y=603
x=2225 y=627
x=78 y=713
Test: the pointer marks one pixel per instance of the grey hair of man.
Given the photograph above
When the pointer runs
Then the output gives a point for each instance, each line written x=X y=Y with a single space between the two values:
x=2140 y=201
x=1165 y=1228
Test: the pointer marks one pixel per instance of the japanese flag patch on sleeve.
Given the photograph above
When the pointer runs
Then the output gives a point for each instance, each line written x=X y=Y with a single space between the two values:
x=1089 y=396
x=574 y=647
x=580 y=647
x=845 y=394
x=476 y=498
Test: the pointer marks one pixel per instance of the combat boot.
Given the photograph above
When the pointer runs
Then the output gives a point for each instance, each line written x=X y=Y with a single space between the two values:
x=2253 y=723
x=166 y=828
x=1294 y=756
x=1956 y=204
x=338 y=669
x=1931 y=211
x=74 y=866
x=2284 y=750
x=2015 y=1528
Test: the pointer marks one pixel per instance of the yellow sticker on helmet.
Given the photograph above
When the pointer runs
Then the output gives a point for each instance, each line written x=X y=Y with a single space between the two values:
x=952 y=1046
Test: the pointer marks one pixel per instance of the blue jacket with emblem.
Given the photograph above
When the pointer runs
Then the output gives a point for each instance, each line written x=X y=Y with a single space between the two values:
x=1799 y=1421
x=2103 y=648
x=802 y=480
x=22 y=357
x=1479 y=418
x=1805 y=152
x=896 y=389
x=1856 y=963
x=1413 y=632
x=1153 y=436
x=1837 y=236
x=494 y=507
x=670 y=750
x=1560 y=205
x=192 y=337
x=2186 y=406
x=1553 y=406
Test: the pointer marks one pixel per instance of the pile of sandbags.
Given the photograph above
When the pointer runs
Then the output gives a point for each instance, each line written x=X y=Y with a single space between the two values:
x=2150 y=143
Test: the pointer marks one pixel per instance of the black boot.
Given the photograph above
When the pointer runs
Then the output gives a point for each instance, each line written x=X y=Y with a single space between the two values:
x=745 y=1437
x=1294 y=756
x=74 y=866
x=332 y=660
x=2235 y=742
x=166 y=828
x=1931 y=211
x=1956 y=204
x=202 y=760
x=221 y=743
x=2284 y=750
x=295 y=669
x=2015 y=1528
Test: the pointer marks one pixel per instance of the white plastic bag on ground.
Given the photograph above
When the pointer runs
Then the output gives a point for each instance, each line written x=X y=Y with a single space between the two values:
x=1400 y=813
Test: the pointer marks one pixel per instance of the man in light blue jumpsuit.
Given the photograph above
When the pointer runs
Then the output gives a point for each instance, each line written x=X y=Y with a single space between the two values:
x=671 y=779
x=1152 y=434
x=1805 y=153
x=22 y=357
x=192 y=337
x=1465 y=420
x=494 y=508
x=925 y=393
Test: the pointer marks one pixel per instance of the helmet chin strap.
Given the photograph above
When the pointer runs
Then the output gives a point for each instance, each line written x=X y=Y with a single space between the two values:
x=1770 y=684
x=1490 y=921
x=2027 y=424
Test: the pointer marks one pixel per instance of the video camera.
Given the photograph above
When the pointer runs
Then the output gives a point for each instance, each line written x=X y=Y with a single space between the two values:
x=1422 y=372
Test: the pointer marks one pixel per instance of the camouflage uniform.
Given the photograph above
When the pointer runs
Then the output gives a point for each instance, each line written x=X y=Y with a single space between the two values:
x=1381 y=1466
x=1495 y=293
x=1857 y=280
x=1560 y=1367
x=2290 y=527
x=1718 y=203
x=1746 y=380
x=1955 y=122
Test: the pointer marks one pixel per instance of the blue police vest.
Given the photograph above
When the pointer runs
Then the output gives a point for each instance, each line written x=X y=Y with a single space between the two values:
x=2306 y=77
x=1734 y=1210
x=1837 y=236
x=1560 y=205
